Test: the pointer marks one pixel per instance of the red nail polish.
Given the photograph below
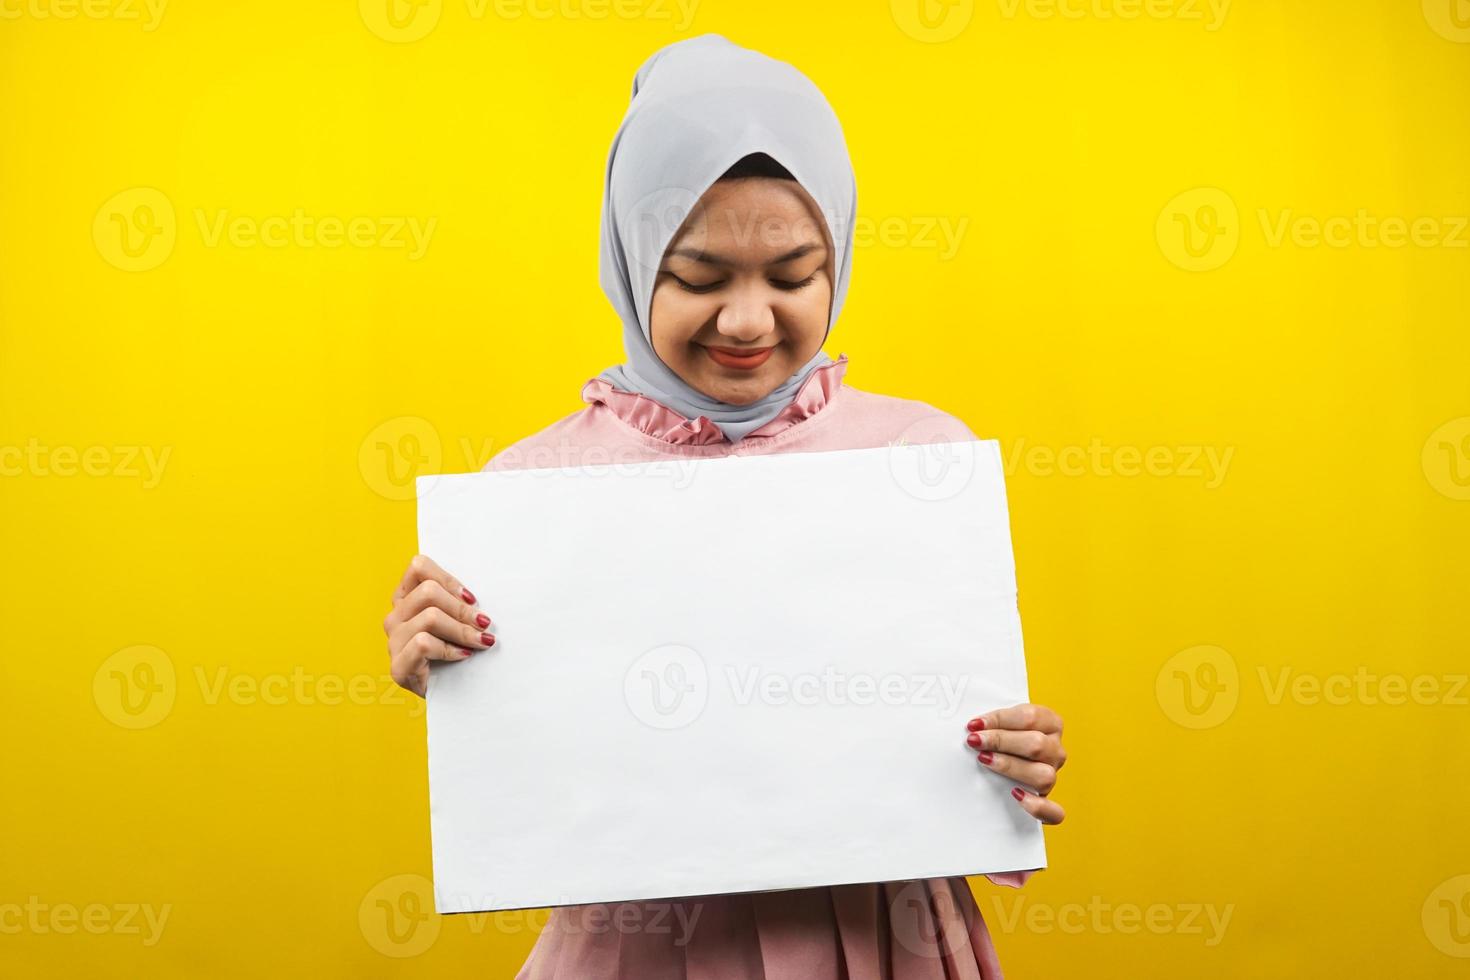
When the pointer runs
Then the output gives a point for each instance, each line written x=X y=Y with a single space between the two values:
x=1016 y=792
x=973 y=738
x=976 y=724
x=985 y=757
x=481 y=620
x=467 y=595
x=488 y=639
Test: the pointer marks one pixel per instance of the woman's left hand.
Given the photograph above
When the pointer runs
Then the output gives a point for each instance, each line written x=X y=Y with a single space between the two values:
x=1023 y=743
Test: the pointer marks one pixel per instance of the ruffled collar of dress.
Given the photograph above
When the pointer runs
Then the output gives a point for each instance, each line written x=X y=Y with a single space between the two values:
x=657 y=420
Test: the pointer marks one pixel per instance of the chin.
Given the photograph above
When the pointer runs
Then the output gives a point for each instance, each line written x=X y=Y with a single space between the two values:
x=738 y=391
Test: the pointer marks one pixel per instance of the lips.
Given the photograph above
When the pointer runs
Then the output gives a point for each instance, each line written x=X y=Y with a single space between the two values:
x=743 y=358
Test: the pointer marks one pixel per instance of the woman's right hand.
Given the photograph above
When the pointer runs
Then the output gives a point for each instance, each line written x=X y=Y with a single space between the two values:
x=434 y=617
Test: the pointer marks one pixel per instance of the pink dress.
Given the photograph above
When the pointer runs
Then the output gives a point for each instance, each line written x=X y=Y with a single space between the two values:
x=914 y=930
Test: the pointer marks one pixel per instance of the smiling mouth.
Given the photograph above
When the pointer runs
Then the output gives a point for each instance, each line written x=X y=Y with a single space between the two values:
x=743 y=358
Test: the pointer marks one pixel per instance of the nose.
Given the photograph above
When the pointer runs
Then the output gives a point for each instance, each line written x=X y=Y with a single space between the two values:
x=746 y=316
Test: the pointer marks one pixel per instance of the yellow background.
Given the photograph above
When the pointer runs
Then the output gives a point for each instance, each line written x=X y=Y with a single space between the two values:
x=250 y=781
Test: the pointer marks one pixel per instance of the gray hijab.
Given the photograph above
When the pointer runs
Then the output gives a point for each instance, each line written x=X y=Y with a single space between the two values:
x=699 y=105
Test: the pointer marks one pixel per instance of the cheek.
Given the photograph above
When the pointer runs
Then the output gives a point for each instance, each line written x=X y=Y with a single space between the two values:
x=807 y=311
x=676 y=317
x=814 y=303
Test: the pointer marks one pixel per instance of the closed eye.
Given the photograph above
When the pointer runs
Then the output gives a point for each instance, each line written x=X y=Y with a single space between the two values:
x=792 y=286
x=712 y=286
x=691 y=288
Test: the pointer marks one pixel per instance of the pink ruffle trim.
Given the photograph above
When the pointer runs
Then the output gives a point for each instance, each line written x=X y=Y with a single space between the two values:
x=655 y=419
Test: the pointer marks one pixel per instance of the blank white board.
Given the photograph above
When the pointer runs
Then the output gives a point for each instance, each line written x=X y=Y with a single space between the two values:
x=734 y=674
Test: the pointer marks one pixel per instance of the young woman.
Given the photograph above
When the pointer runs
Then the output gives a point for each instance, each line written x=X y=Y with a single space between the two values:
x=727 y=234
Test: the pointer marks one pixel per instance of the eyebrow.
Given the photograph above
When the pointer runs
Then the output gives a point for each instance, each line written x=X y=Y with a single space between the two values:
x=709 y=258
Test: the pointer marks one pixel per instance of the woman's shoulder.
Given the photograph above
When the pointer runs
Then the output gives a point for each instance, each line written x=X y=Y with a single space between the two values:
x=897 y=420
x=853 y=418
x=565 y=442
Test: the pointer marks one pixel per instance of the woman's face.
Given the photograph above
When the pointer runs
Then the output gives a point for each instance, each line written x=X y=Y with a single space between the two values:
x=744 y=290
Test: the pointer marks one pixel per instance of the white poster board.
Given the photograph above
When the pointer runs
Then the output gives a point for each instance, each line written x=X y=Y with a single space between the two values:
x=734 y=674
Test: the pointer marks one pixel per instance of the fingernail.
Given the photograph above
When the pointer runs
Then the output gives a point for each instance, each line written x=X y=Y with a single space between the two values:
x=467 y=596
x=1016 y=792
x=985 y=757
x=976 y=724
x=488 y=639
x=973 y=738
x=464 y=650
x=481 y=620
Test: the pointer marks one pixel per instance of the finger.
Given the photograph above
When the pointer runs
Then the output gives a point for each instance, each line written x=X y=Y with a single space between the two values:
x=410 y=665
x=421 y=568
x=1043 y=809
x=1033 y=745
x=429 y=593
x=440 y=625
x=1020 y=717
x=1039 y=776
x=417 y=681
